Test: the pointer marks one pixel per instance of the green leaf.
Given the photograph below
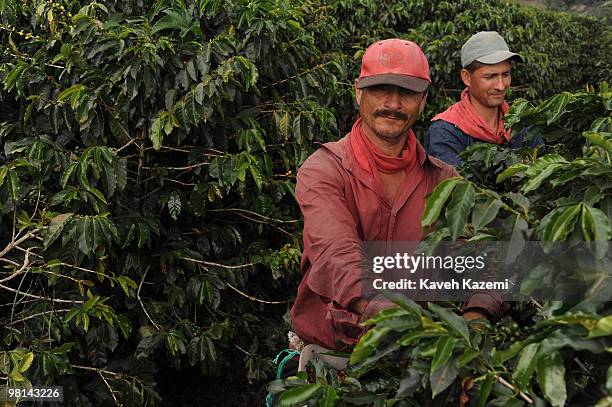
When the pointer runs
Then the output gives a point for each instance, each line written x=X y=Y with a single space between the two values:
x=485 y=212
x=444 y=349
x=176 y=19
x=598 y=139
x=77 y=88
x=190 y=67
x=5 y=363
x=26 y=362
x=199 y=93
x=608 y=378
x=71 y=314
x=443 y=377
x=97 y=226
x=16 y=376
x=330 y=396
x=55 y=228
x=13 y=185
x=404 y=302
x=67 y=172
x=282 y=123
x=541 y=169
x=90 y=303
x=409 y=383
x=510 y=171
x=572 y=337
x=408 y=338
x=367 y=344
x=124 y=325
x=459 y=208
x=297 y=129
x=85 y=321
x=520 y=200
x=144 y=234
x=3 y=172
x=257 y=175
x=603 y=327
x=556 y=107
x=156 y=134
x=63 y=348
x=563 y=225
x=12 y=78
x=525 y=365
x=203 y=58
x=437 y=199
x=469 y=355
x=96 y=192
x=456 y=322
x=551 y=377
x=595 y=224
x=85 y=235
x=118 y=129
x=485 y=389
x=110 y=180
x=174 y=205
x=120 y=166
x=299 y=395
x=126 y=283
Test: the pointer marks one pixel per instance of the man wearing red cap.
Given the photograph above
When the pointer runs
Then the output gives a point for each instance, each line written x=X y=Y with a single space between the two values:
x=368 y=186
x=478 y=116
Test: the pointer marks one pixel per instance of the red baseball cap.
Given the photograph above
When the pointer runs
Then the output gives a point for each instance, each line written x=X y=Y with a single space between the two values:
x=394 y=62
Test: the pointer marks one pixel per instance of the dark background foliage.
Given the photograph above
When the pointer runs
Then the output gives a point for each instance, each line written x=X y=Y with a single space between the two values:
x=149 y=149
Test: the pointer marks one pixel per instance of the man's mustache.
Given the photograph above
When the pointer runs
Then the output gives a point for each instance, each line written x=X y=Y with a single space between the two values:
x=391 y=113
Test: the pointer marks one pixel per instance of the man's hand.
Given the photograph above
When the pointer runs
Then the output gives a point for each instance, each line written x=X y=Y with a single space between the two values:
x=473 y=314
x=480 y=319
x=367 y=309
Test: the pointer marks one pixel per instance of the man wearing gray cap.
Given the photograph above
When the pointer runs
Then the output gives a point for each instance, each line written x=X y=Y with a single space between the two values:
x=478 y=116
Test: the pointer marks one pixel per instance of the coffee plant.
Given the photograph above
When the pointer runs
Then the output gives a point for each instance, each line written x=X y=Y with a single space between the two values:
x=149 y=237
x=555 y=353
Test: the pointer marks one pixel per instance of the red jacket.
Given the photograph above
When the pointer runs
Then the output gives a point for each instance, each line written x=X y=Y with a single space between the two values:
x=342 y=208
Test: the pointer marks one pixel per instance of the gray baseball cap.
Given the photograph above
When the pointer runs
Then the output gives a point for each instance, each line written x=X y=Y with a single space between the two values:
x=487 y=47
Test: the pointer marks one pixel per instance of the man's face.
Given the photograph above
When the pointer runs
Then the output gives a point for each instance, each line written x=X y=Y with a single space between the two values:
x=489 y=83
x=389 y=111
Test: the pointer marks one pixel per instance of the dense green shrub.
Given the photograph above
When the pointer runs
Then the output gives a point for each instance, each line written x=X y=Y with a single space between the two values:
x=554 y=44
x=147 y=220
x=553 y=352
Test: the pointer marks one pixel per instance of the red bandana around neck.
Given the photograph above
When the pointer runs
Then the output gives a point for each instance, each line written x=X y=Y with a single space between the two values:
x=371 y=158
x=464 y=115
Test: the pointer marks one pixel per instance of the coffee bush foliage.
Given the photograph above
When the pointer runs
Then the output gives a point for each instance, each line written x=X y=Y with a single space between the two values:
x=149 y=237
x=555 y=353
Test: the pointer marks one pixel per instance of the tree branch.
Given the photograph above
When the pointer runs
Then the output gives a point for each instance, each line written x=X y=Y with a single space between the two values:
x=17 y=242
x=22 y=270
x=110 y=389
x=25 y=294
x=142 y=304
x=245 y=295
x=239 y=210
x=39 y=314
x=209 y=263
x=511 y=387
